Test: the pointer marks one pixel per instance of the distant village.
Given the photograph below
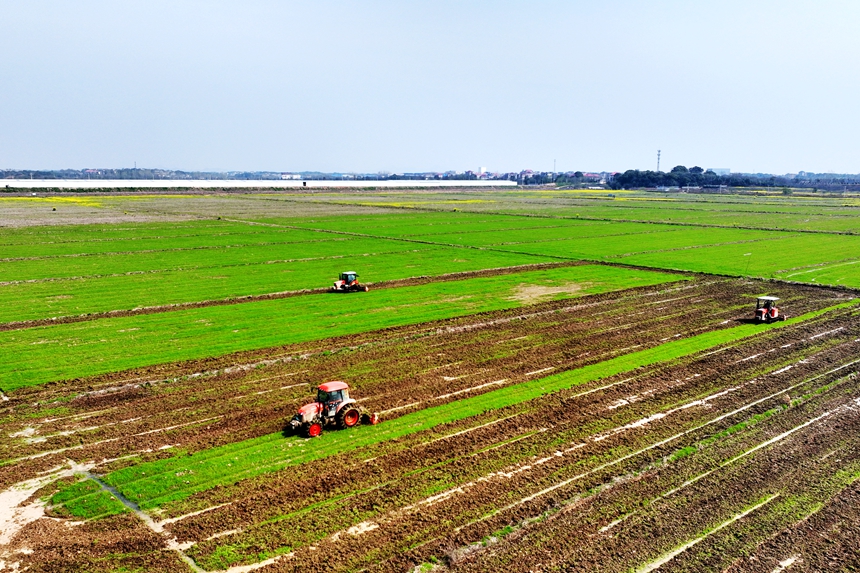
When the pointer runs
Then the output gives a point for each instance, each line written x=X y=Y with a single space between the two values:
x=678 y=178
x=525 y=177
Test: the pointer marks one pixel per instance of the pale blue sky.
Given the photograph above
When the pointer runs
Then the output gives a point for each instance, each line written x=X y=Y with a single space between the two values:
x=752 y=85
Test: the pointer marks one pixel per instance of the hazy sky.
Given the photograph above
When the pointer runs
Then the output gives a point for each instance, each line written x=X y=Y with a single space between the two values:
x=411 y=85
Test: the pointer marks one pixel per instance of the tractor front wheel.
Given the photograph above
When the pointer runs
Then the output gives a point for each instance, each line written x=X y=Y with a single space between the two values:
x=313 y=429
x=348 y=417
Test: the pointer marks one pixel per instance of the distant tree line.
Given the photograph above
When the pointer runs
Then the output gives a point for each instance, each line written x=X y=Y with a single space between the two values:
x=680 y=176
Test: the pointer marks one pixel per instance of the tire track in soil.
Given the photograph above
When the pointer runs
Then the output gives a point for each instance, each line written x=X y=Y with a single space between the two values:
x=826 y=540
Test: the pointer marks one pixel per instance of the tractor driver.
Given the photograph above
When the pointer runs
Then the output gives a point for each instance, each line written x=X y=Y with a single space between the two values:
x=322 y=396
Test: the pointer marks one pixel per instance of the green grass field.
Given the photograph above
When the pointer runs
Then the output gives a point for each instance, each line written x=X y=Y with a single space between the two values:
x=216 y=279
x=276 y=243
x=65 y=351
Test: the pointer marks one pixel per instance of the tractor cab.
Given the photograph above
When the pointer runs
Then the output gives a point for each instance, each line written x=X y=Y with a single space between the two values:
x=766 y=309
x=348 y=282
x=331 y=395
x=332 y=407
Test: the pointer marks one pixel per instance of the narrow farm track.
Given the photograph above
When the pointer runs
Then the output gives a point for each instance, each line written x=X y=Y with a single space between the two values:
x=585 y=472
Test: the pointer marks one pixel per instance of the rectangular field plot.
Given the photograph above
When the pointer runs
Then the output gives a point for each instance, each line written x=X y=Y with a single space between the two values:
x=75 y=296
x=408 y=225
x=113 y=264
x=151 y=485
x=83 y=349
x=768 y=213
x=586 y=230
x=619 y=246
x=107 y=239
x=787 y=258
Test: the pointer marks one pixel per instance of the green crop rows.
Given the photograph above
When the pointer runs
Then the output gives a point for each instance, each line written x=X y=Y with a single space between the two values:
x=87 y=348
x=156 y=483
x=59 y=271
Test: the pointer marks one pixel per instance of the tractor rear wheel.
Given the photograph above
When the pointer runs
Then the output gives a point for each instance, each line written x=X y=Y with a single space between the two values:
x=313 y=429
x=348 y=417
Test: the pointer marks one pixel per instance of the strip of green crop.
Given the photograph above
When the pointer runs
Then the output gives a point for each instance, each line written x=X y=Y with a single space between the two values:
x=662 y=242
x=80 y=243
x=767 y=258
x=87 y=500
x=67 y=297
x=143 y=261
x=39 y=355
x=156 y=483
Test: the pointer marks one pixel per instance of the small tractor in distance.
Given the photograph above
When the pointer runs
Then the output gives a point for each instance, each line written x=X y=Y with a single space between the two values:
x=766 y=310
x=333 y=406
x=348 y=282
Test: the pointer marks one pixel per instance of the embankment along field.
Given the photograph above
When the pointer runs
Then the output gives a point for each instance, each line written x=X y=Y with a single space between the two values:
x=567 y=381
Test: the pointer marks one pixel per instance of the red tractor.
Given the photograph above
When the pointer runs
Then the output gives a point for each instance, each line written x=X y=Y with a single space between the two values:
x=333 y=406
x=348 y=282
x=766 y=309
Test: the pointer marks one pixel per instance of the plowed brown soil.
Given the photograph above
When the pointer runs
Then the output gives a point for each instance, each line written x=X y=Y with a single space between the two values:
x=529 y=487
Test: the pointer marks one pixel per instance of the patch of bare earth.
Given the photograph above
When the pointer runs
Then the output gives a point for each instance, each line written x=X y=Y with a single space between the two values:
x=531 y=294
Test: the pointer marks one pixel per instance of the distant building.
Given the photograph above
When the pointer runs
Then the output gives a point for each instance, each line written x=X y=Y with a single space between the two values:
x=720 y=170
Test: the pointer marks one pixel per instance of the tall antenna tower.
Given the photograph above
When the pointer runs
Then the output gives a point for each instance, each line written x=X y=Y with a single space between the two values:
x=658 y=160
